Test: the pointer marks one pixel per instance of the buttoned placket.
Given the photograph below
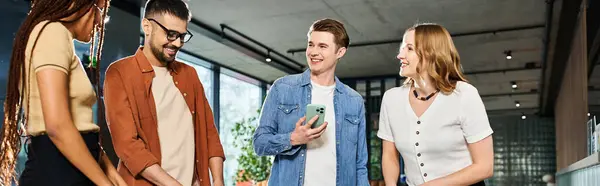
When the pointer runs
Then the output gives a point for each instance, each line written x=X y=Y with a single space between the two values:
x=419 y=146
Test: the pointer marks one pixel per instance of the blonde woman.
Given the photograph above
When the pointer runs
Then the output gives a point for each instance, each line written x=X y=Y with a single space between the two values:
x=436 y=120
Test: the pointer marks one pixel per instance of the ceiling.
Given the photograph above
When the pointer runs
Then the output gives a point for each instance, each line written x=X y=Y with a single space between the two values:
x=483 y=30
x=486 y=29
x=282 y=25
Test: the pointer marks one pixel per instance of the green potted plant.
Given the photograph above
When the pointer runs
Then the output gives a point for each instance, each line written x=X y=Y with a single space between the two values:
x=251 y=167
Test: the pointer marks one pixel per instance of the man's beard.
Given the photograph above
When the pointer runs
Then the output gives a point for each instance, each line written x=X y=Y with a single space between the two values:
x=162 y=57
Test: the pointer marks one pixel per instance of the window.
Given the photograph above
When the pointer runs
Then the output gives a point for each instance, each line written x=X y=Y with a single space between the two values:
x=239 y=100
x=372 y=91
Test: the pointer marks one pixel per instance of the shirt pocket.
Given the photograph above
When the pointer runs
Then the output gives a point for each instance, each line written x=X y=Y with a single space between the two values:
x=288 y=116
x=351 y=127
x=288 y=108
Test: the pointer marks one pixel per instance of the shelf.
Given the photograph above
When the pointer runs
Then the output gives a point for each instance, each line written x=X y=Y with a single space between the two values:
x=589 y=161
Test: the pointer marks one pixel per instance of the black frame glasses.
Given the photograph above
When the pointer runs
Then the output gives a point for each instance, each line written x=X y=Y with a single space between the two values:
x=172 y=35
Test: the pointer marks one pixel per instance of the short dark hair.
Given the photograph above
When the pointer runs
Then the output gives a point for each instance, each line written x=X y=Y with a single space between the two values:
x=334 y=27
x=177 y=8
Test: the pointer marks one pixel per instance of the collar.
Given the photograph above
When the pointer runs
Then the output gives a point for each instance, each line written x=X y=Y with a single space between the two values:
x=305 y=80
x=145 y=65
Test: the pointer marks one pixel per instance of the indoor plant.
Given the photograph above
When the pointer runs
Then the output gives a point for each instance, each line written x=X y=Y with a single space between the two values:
x=251 y=167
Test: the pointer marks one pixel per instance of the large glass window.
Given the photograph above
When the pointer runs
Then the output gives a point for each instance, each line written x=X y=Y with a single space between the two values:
x=239 y=100
x=372 y=91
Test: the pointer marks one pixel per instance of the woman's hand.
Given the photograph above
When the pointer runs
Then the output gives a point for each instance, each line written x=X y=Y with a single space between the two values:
x=110 y=171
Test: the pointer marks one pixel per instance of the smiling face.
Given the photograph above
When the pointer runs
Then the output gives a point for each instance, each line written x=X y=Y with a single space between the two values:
x=322 y=53
x=163 y=49
x=408 y=57
x=165 y=26
x=428 y=54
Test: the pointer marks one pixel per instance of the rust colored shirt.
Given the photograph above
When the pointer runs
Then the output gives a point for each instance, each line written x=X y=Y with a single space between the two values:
x=132 y=119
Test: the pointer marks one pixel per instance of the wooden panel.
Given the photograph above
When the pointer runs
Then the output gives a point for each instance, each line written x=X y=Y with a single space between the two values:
x=571 y=107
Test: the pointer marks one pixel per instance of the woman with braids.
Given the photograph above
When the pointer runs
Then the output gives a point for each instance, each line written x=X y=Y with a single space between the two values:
x=49 y=98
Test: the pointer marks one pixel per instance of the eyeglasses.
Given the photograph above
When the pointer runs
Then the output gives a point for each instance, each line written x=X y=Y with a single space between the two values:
x=172 y=35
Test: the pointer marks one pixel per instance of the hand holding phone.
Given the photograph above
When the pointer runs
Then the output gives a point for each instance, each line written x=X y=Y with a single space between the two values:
x=313 y=110
x=304 y=133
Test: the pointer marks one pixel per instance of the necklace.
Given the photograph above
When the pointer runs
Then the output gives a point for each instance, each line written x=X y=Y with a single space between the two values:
x=424 y=98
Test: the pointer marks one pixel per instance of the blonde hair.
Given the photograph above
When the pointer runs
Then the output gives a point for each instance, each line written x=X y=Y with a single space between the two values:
x=434 y=46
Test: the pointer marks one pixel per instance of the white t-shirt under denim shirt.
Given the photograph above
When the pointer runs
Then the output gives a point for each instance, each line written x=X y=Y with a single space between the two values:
x=435 y=144
x=320 y=167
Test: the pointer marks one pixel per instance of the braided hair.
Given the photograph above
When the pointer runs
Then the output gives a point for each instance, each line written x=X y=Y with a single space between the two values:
x=14 y=113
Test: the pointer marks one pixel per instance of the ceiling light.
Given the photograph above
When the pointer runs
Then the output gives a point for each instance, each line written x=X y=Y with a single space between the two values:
x=589 y=114
x=268 y=59
x=523 y=117
x=514 y=85
x=508 y=54
x=517 y=104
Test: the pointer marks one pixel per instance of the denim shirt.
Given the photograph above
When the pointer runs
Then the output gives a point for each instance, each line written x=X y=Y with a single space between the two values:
x=285 y=105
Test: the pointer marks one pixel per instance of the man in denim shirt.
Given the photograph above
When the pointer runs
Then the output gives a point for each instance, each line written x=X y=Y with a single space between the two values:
x=334 y=153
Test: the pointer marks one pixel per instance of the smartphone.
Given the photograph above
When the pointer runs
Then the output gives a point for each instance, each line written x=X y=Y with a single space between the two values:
x=315 y=109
